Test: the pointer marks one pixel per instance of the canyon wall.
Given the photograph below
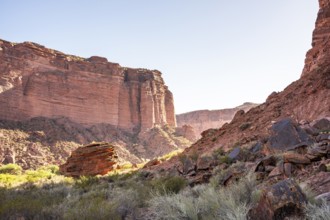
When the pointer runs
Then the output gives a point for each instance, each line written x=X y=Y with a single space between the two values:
x=36 y=81
x=318 y=56
x=205 y=119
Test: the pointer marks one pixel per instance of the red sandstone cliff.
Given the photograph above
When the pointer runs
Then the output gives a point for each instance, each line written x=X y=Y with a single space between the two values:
x=36 y=81
x=318 y=56
x=205 y=119
x=51 y=103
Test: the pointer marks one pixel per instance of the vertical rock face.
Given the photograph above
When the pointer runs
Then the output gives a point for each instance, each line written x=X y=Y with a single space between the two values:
x=36 y=81
x=318 y=56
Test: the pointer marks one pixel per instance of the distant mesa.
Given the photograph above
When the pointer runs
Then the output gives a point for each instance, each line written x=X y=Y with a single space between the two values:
x=202 y=120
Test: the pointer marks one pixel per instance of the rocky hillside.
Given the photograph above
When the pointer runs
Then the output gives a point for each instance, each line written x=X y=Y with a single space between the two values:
x=284 y=122
x=304 y=100
x=52 y=102
x=205 y=119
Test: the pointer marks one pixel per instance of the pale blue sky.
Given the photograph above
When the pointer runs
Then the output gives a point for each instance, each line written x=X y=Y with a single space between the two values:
x=213 y=53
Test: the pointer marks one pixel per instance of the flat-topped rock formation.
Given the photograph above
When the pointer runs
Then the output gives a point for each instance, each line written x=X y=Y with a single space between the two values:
x=39 y=82
x=205 y=119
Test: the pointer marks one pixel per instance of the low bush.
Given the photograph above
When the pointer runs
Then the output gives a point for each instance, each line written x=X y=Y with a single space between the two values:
x=169 y=185
x=11 y=169
x=318 y=211
x=206 y=202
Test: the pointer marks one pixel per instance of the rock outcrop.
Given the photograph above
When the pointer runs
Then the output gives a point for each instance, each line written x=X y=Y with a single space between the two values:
x=205 y=119
x=39 y=82
x=93 y=159
x=318 y=56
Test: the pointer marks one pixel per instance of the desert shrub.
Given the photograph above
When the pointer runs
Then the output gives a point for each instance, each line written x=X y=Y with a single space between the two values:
x=31 y=203
x=51 y=168
x=85 y=182
x=37 y=175
x=206 y=202
x=225 y=159
x=244 y=126
x=194 y=156
x=11 y=169
x=9 y=180
x=309 y=193
x=217 y=153
x=91 y=205
x=169 y=184
x=317 y=211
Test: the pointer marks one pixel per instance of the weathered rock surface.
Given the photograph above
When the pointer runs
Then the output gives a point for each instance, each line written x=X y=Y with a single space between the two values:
x=318 y=56
x=39 y=82
x=286 y=134
x=284 y=199
x=187 y=131
x=90 y=160
x=205 y=119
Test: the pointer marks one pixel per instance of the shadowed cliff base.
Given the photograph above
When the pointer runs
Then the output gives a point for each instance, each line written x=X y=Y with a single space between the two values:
x=41 y=141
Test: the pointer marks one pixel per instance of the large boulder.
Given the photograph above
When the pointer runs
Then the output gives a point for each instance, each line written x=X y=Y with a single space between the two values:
x=286 y=134
x=322 y=125
x=93 y=159
x=281 y=200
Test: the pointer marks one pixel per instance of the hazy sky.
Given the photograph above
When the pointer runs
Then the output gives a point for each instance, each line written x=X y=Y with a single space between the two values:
x=212 y=53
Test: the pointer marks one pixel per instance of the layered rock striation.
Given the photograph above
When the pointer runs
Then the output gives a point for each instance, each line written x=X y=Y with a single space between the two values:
x=40 y=82
x=90 y=160
x=318 y=56
x=205 y=119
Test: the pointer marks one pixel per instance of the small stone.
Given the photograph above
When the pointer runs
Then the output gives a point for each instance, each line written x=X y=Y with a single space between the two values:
x=275 y=172
x=233 y=155
x=288 y=169
x=296 y=158
x=322 y=167
x=269 y=168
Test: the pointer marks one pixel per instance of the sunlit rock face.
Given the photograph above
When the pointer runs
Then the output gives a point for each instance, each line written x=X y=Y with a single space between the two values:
x=205 y=119
x=36 y=81
x=318 y=56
